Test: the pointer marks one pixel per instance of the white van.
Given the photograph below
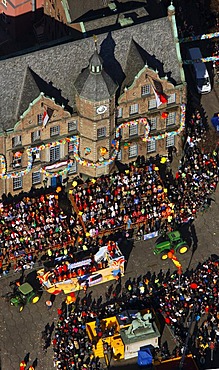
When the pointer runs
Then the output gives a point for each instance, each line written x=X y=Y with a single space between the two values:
x=201 y=72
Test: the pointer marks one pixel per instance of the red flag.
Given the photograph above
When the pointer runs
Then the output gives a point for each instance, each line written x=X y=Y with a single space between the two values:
x=160 y=98
x=45 y=118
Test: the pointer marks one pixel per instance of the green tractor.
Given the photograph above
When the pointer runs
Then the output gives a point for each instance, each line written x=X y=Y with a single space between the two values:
x=24 y=295
x=173 y=241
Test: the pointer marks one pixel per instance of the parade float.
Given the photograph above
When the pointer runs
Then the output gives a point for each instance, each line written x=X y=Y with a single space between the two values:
x=69 y=275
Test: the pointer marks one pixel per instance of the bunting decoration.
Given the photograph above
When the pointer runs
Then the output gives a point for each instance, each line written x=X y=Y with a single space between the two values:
x=171 y=133
x=115 y=145
x=103 y=151
x=87 y=151
x=202 y=60
x=3 y=165
x=15 y=174
x=207 y=36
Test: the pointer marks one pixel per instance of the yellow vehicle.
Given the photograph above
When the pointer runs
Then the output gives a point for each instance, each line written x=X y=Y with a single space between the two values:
x=67 y=276
x=124 y=334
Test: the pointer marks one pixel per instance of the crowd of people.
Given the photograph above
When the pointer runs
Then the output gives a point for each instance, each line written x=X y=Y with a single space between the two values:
x=123 y=199
x=145 y=197
x=29 y=226
x=180 y=299
x=190 y=297
x=140 y=197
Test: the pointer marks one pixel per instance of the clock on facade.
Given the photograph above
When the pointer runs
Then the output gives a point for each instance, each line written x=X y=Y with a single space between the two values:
x=101 y=109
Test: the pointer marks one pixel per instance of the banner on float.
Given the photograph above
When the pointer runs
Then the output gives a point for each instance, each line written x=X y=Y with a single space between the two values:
x=151 y=235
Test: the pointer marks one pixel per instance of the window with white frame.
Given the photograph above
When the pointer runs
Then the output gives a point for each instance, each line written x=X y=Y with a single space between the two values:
x=4 y=2
x=36 y=178
x=133 y=130
x=133 y=109
x=119 y=113
x=55 y=153
x=72 y=126
x=16 y=141
x=171 y=119
x=152 y=104
x=119 y=155
x=153 y=122
x=71 y=147
x=54 y=130
x=170 y=141
x=151 y=146
x=145 y=90
x=101 y=132
x=73 y=168
x=17 y=183
x=35 y=135
x=40 y=119
x=133 y=150
x=171 y=99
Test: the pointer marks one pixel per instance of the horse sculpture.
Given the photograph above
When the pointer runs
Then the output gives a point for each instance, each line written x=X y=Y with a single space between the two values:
x=138 y=323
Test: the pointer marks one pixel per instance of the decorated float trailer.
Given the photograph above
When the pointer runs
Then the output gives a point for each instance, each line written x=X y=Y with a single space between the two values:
x=67 y=276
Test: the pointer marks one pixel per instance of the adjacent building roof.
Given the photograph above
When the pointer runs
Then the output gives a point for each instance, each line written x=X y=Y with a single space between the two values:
x=83 y=9
x=54 y=70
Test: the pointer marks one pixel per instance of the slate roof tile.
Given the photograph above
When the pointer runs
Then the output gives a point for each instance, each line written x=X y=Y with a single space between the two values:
x=62 y=64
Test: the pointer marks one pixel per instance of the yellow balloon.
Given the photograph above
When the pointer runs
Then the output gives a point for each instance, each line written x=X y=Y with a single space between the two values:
x=87 y=234
x=80 y=213
x=156 y=168
x=74 y=183
x=126 y=171
x=93 y=181
x=165 y=190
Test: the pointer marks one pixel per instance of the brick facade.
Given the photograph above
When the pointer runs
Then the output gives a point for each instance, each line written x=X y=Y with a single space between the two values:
x=87 y=107
x=29 y=130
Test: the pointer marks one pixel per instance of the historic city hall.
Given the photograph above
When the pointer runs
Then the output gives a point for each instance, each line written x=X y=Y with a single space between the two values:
x=75 y=108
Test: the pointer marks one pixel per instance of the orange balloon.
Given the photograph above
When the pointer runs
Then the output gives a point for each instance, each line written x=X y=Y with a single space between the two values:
x=170 y=255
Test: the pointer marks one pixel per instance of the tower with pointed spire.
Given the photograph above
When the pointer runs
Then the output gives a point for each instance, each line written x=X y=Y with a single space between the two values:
x=95 y=101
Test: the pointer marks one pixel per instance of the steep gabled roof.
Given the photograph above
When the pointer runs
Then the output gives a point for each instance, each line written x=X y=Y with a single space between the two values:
x=134 y=63
x=31 y=88
x=29 y=91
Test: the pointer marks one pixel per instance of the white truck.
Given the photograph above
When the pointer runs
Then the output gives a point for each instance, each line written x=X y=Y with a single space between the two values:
x=201 y=73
